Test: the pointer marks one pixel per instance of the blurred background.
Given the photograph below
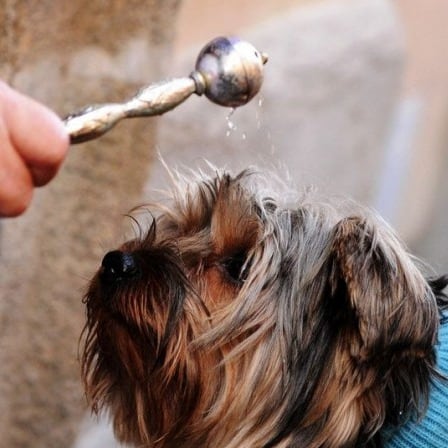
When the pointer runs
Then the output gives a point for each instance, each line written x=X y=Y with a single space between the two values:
x=354 y=102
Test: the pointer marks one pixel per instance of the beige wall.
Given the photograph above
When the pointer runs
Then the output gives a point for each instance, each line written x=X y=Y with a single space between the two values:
x=426 y=78
x=201 y=20
x=68 y=54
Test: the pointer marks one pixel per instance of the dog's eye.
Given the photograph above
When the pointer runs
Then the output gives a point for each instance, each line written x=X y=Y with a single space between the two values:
x=236 y=267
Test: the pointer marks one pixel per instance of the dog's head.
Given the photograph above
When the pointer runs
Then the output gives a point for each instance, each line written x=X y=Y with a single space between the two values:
x=237 y=321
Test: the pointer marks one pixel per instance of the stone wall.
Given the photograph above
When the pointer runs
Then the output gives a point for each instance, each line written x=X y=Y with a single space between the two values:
x=68 y=54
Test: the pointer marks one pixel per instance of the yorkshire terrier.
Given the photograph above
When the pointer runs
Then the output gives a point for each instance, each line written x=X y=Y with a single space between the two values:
x=239 y=320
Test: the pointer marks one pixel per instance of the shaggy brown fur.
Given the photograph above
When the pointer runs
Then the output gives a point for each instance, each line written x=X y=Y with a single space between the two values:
x=241 y=321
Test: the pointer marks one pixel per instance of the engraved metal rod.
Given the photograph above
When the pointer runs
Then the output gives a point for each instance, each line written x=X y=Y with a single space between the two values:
x=228 y=71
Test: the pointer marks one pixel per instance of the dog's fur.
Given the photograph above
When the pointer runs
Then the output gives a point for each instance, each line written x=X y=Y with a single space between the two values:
x=239 y=321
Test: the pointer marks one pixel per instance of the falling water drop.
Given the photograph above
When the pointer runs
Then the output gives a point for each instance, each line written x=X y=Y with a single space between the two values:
x=231 y=126
x=259 y=112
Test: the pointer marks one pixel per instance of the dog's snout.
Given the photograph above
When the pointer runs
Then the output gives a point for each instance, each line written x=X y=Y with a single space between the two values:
x=118 y=265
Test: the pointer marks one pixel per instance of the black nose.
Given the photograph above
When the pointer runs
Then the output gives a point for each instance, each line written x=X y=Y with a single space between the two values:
x=117 y=266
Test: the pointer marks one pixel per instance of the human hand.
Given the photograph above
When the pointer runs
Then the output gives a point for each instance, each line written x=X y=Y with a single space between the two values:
x=33 y=144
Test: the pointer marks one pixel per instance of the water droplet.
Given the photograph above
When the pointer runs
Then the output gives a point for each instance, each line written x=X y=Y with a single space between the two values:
x=259 y=113
x=231 y=126
x=243 y=136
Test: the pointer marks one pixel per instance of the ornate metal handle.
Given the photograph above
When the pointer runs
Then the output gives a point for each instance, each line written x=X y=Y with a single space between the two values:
x=229 y=71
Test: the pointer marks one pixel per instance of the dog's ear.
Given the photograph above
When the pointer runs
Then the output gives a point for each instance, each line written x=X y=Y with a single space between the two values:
x=385 y=300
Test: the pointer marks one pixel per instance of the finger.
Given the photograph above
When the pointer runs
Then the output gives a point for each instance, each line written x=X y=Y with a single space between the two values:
x=36 y=132
x=16 y=183
x=42 y=175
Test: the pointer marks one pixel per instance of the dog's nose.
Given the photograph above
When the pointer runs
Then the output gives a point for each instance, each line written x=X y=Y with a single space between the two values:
x=118 y=265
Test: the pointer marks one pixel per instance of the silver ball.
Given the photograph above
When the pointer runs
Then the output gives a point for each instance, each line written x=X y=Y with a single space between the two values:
x=232 y=70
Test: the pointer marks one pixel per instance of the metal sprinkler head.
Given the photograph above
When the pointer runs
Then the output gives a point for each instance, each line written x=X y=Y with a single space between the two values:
x=232 y=70
x=229 y=72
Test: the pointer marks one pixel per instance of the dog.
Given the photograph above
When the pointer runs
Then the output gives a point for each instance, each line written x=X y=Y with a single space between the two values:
x=244 y=317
